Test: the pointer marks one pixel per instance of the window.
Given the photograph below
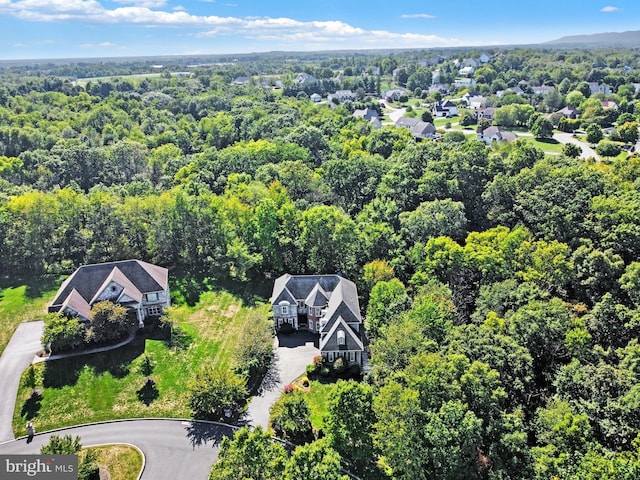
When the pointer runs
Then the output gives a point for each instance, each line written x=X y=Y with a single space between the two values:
x=352 y=356
x=331 y=356
x=154 y=311
x=311 y=325
x=285 y=310
x=318 y=312
x=152 y=297
x=341 y=337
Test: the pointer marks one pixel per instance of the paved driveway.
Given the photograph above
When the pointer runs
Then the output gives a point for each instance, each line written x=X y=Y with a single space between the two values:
x=173 y=449
x=293 y=352
x=19 y=353
x=585 y=149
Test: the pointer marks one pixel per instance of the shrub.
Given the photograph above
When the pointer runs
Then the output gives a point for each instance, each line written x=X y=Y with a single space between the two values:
x=305 y=382
x=608 y=149
x=325 y=371
x=311 y=369
x=62 y=332
x=339 y=365
x=290 y=419
x=288 y=388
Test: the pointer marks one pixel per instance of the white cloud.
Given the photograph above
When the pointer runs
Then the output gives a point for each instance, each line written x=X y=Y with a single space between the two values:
x=417 y=15
x=144 y=3
x=284 y=31
x=609 y=9
x=99 y=45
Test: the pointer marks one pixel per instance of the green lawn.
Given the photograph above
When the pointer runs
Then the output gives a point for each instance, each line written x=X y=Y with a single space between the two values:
x=552 y=146
x=21 y=304
x=317 y=399
x=123 y=462
x=105 y=386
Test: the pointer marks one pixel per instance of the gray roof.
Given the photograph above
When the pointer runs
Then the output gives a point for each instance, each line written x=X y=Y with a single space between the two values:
x=353 y=338
x=423 y=128
x=406 y=122
x=366 y=113
x=80 y=290
x=342 y=295
x=87 y=279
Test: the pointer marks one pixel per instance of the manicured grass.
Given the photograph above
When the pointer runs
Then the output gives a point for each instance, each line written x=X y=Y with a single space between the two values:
x=551 y=146
x=441 y=122
x=123 y=462
x=317 y=399
x=20 y=304
x=106 y=385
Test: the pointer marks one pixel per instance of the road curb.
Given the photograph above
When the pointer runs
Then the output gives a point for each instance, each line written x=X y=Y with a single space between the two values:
x=144 y=458
x=121 y=420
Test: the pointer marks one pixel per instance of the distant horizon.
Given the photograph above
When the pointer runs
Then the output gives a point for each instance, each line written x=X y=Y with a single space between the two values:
x=78 y=29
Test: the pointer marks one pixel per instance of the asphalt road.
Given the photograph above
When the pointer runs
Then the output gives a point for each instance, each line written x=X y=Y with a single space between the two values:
x=19 y=353
x=174 y=449
x=586 y=150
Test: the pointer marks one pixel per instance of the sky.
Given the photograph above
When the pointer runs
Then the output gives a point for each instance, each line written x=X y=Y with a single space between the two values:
x=41 y=29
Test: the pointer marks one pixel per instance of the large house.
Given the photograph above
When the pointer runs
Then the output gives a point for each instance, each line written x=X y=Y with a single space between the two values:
x=141 y=287
x=324 y=304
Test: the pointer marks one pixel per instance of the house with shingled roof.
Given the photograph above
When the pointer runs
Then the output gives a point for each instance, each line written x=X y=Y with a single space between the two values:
x=324 y=304
x=141 y=287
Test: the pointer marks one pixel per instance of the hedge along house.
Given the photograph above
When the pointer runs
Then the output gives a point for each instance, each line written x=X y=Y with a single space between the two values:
x=143 y=288
x=324 y=304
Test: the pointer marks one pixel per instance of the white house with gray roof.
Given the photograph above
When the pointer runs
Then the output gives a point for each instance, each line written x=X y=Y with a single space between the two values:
x=323 y=304
x=141 y=287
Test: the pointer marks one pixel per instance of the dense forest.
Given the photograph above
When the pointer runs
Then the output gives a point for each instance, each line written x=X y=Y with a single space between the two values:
x=501 y=286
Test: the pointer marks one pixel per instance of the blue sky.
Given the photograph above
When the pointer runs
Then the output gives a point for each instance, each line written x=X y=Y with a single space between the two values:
x=103 y=28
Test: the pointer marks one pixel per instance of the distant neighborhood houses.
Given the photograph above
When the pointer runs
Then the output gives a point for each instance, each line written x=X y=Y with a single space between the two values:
x=303 y=79
x=445 y=108
x=495 y=134
x=139 y=286
x=341 y=96
x=418 y=128
x=394 y=94
x=370 y=115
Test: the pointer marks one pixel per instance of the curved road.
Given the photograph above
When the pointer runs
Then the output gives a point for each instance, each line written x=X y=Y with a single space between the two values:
x=173 y=449
x=586 y=150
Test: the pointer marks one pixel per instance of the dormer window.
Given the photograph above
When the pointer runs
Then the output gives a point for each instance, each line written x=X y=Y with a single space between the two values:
x=152 y=297
x=341 y=337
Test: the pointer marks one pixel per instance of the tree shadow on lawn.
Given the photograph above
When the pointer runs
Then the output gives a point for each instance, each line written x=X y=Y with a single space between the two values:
x=66 y=371
x=31 y=405
x=188 y=286
x=36 y=286
x=200 y=433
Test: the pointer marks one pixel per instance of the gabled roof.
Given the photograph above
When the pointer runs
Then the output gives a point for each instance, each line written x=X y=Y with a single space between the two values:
x=352 y=338
x=285 y=296
x=423 y=128
x=75 y=302
x=406 y=122
x=317 y=297
x=341 y=295
x=366 y=113
x=128 y=288
x=135 y=275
